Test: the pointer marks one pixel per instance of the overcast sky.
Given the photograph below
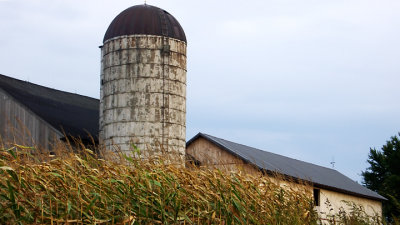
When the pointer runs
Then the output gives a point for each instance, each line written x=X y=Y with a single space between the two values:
x=313 y=80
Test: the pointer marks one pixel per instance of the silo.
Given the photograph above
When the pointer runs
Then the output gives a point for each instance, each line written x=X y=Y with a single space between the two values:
x=143 y=82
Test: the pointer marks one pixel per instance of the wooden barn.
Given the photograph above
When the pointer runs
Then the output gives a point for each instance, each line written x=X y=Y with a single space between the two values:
x=31 y=114
x=329 y=187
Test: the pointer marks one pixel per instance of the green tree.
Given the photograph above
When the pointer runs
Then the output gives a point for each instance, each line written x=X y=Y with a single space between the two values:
x=383 y=176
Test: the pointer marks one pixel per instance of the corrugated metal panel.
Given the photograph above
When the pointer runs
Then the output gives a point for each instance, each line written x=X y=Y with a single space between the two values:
x=318 y=175
x=144 y=19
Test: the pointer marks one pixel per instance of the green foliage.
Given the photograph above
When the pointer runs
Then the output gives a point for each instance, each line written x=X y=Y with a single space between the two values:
x=82 y=189
x=79 y=188
x=356 y=215
x=383 y=176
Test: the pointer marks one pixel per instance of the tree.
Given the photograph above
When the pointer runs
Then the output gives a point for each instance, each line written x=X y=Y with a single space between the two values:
x=383 y=176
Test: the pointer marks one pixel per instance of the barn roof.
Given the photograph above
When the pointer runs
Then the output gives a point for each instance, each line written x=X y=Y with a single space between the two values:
x=321 y=177
x=72 y=114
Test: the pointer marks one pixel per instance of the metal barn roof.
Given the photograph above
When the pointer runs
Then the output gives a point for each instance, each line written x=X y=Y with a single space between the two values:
x=145 y=19
x=74 y=114
x=321 y=177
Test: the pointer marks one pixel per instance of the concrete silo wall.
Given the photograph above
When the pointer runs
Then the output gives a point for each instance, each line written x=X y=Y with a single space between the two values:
x=143 y=93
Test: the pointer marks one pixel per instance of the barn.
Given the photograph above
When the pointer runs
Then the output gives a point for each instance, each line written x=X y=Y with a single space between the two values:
x=31 y=114
x=329 y=187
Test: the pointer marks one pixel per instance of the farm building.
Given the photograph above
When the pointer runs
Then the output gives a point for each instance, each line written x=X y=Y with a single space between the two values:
x=143 y=82
x=329 y=187
x=38 y=115
x=142 y=98
x=31 y=114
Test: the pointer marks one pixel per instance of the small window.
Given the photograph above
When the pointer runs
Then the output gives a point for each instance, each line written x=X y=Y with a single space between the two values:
x=316 y=197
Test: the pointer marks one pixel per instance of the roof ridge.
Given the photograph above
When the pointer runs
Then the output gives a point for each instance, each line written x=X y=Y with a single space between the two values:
x=263 y=151
x=75 y=114
x=41 y=86
x=294 y=168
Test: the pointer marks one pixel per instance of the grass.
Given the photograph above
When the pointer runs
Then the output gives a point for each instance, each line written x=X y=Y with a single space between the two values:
x=77 y=187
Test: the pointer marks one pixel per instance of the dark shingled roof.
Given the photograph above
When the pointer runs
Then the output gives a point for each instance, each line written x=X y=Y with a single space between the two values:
x=145 y=19
x=74 y=114
x=321 y=177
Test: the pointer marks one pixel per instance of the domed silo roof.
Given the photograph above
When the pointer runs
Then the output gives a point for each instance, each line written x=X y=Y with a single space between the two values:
x=145 y=19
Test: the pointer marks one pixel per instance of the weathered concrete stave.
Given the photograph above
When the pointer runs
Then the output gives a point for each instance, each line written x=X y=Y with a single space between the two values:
x=143 y=129
x=144 y=85
x=138 y=69
x=173 y=143
x=143 y=93
x=142 y=99
x=127 y=56
x=142 y=115
x=142 y=42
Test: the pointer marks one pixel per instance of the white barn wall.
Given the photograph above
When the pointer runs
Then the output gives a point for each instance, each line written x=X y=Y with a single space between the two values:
x=331 y=202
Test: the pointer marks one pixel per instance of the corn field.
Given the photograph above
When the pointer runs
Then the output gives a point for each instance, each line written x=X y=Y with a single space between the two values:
x=78 y=187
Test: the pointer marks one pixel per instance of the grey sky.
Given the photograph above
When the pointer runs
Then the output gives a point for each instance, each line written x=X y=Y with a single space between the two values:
x=309 y=79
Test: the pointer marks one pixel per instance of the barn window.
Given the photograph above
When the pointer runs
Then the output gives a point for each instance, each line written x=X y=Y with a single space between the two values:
x=316 y=197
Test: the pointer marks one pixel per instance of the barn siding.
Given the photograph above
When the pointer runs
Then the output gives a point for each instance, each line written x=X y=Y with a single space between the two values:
x=211 y=156
x=20 y=125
